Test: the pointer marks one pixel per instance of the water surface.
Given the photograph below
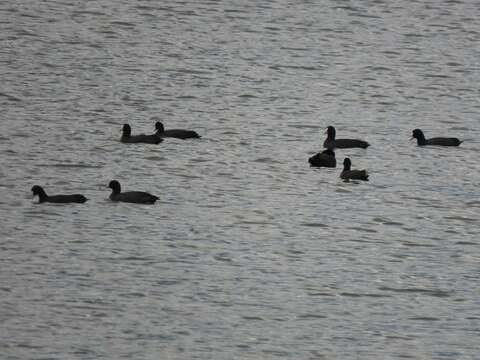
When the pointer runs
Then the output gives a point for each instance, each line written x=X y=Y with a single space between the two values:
x=249 y=253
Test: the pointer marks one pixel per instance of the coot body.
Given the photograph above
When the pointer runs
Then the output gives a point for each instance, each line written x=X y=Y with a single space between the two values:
x=331 y=142
x=349 y=174
x=440 y=141
x=137 y=197
x=58 y=199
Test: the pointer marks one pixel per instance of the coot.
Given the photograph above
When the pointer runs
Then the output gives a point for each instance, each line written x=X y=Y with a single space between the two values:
x=175 y=133
x=348 y=173
x=138 y=197
x=331 y=143
x=325 y=158
x=127 y=137
x=442 y=141
x=59 y=199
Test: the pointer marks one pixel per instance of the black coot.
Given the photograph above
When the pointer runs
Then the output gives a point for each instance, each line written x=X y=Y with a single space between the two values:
x=347 y=173
x=325 y=158
x=137 y=197
x=128 y=138
x=442 y=141
x=59 y=199
x=331 y=143
x=175 y=133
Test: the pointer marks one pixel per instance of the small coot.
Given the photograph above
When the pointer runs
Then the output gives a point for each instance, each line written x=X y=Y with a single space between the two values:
x=325 y=158
x=59 y=199
x=175 y=133
x=331 y=143
x=442 y=141
x=348 y=173
x=137 y=197
x=127 y=137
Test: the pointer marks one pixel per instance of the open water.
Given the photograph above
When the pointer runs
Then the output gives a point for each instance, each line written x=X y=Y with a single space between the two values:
x=250 y=253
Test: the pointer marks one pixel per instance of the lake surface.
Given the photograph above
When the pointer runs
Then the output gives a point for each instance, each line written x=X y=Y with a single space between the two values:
x=250 y=253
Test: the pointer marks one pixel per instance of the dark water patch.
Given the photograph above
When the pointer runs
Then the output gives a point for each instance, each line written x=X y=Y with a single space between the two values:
x=186 y=12
x=294 y=48
x=320 y=293
x=414 y=35
x=267 y=160
x=294 y=67
x=415 y=244
x=88 y=12
x=424 y=318
x=310 y=316
x=429 y=292
x=377 y=68
x=391 y=52
x=380 y=96
x=155 y=158
x=223 y=257
x=253 y=318
x=186 y=97
x=366 y=295
x=136 y=258
x=461 y=218
x=22 y=135
x=10 y=97
x=314 y=224
x=466 y=243
x=30 y=346
x=86 y=166
x=167 y=282
x=437 y=76
x=474 y=203
x=254 y=222
x=386 y=222
x=132 y=295
x=146 y=8
x=295 y=252
x=451 y=231
x=403 y=337
x=272 y=28
x=80 y=241
x=123 y=23
x=30 y=15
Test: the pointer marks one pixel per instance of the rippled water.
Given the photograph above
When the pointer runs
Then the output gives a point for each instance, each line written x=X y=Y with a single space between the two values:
x=250 y=254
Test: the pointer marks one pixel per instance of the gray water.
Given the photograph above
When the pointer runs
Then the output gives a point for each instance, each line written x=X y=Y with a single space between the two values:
x=250 y=253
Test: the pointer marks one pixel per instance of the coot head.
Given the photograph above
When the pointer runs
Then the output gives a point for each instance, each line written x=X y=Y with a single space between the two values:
x=159 y=127
x=347 y=163
x=331 y=132
x=418 y=134
x=127 y=130
x=115 y=186
x=38 y=190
